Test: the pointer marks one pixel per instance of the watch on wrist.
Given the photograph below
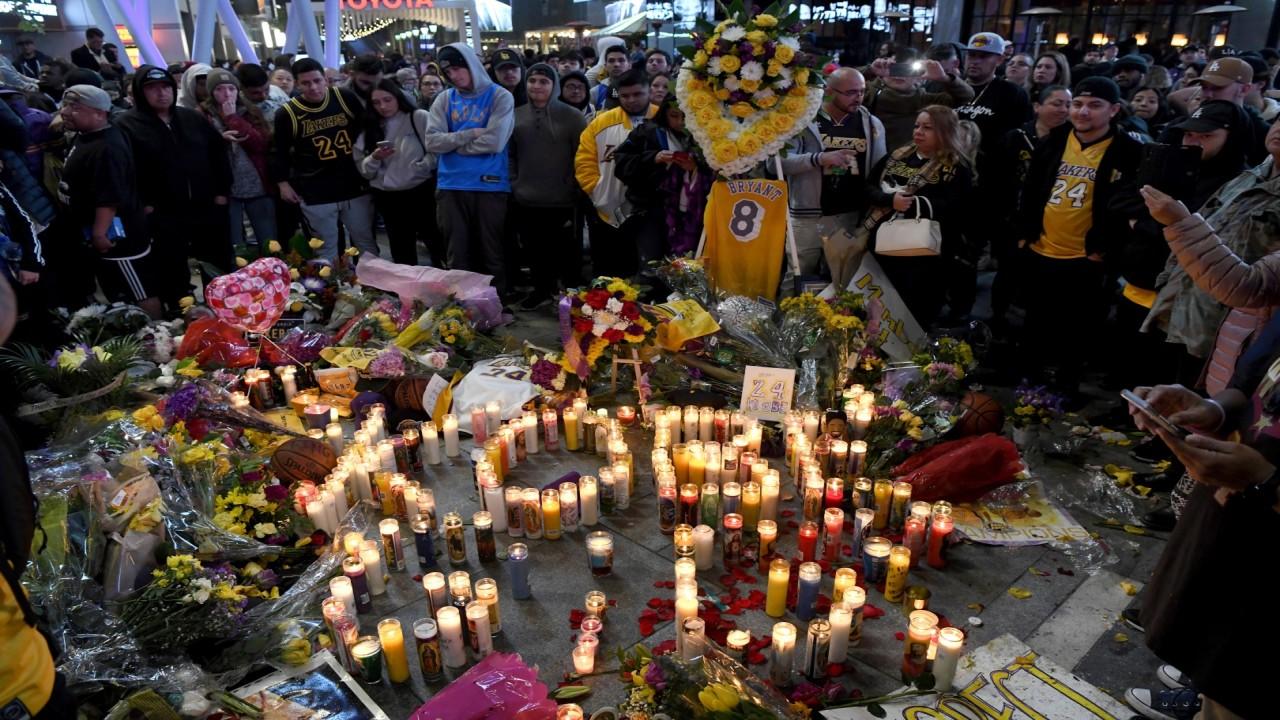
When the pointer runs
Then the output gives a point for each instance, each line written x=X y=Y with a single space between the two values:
x=1265 y=491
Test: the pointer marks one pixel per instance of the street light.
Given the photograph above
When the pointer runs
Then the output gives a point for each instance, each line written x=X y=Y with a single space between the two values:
x=1039 y=13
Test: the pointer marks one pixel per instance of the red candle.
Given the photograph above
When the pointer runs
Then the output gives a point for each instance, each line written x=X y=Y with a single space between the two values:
x=808 y=540
x=835 y=493
x=689 y=505
x=913 y=538
x=942 y=527
x=626 y=415
x=833 y=520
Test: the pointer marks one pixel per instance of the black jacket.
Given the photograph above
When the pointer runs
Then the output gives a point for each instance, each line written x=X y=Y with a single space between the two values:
x=633 y=164
x=1115 y=201
x=180 y=166
x=949 y=201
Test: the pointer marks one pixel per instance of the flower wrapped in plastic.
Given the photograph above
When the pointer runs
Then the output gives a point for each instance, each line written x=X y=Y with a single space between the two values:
x=499 y=687
x=710 y=685
x=451 y=326
x=602 y=319
x=74 y=380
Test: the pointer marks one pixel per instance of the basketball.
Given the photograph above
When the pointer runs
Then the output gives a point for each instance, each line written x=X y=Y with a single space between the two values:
x=360 y=403
x=303 y=459
x=408 y=393
x=979 y=414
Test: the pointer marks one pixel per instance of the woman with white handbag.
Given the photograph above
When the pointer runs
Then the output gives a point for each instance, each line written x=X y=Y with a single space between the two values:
x=918 y=197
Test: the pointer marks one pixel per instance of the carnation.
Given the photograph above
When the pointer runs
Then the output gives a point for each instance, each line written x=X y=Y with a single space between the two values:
x=752 y=71
x=388 y=364
x=731 y=83
x=733 y=33
x=713 y=66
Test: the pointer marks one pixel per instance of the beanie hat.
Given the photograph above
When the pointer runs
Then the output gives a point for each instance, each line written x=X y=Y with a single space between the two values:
x=218 y=76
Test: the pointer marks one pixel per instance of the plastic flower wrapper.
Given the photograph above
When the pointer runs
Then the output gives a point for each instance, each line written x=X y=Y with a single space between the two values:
x=711 y=685
x=499 y=687
x=433 y=286
x=688 y=277
x=96 y=324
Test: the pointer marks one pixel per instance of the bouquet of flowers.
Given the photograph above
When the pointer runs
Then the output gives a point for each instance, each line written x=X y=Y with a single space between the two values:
x=894 y=433
x=185 y=602
x=710 y=686
x=945 y=365
x=747 y=88
x=80 y=377
x=601 y=319
x=450 y=328
x=1035 y=406
x=95 y=324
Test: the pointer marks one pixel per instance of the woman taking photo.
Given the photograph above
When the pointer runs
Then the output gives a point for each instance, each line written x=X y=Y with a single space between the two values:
x=248 y=138
x=931 y=176
x=390 y=154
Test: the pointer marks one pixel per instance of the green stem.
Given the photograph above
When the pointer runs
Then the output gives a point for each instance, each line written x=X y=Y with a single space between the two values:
x=891 y=697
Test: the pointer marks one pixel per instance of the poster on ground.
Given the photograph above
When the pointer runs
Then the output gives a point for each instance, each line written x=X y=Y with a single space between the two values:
x=1016 y=515
x=319 y=689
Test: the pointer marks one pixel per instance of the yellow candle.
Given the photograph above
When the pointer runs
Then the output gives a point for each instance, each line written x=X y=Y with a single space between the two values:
x=899 y=564
x=750 y=504
x=551 y=514
x=845 y=579
x=883 y=490
x=697 y=467
x=680 y=458
x=493 y=453
x=392 y=638
x=383 y=479
x=570 y=430
x=775 y=603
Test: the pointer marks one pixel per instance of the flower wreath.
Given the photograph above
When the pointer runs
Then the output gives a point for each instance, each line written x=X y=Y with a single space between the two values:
x=747 y=88
x=600 y=318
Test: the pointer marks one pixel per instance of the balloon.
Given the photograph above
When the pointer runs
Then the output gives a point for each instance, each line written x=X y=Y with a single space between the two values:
x=252 y=298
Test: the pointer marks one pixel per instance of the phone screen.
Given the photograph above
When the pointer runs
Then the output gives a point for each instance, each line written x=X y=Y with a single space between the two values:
x=1146 y=409
x=1172 y=169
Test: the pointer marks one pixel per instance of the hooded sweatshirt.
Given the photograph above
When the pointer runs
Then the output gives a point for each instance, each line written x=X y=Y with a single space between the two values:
x=469 y=160
x=187 y=94
x=543 y=146
x=181 y=164
x=410 y=166
x=585 y=107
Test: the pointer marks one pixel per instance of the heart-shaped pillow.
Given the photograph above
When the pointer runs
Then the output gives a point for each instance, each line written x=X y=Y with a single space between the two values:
x=252 y=298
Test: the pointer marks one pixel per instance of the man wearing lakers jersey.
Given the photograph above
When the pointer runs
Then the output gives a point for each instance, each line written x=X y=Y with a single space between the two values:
x=1079 y=205
x=314 y=133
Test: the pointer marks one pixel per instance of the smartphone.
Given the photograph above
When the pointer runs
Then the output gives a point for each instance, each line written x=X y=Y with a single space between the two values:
x=906 y=69
x=681 y=156
x=1172 y=169
x=384 y=144
x=1156 y=417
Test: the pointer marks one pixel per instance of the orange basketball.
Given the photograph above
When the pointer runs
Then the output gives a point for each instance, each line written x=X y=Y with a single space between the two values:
x=978 y=414
x=303 y=459
x=408 y=393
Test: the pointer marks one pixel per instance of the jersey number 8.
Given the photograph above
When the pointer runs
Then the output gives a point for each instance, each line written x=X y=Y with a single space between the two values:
x=748 y=217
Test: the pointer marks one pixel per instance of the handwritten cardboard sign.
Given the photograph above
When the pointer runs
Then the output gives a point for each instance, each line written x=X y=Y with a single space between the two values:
x=766 y=392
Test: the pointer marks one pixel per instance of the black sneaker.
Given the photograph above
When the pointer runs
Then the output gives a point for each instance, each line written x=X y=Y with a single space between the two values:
x=1161 y=520
x=535 y=301
x=1180 y=704
x=1132 y=618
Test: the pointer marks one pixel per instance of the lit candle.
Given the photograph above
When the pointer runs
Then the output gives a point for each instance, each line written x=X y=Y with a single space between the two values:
x=768 y=532
x=817 y=649
x=436 y=588
x=508 y=436
x=732 y=539
x=769 y=488
x=682 y=540
x=584 y=663
x=896 y=581
x=710 y=503
x=493 y=413
x=487 y=595
x=569 y=514
x=353 y=568
x=688 y=513
x=732 y=498
x=861 y=421
x=426 y=636
x=697 y=465
x=862 y=520
x=703 y=544
x=551 y=514
x=608 y=490
x=372 y=559
x=496 y=457
x=839 y=458
x=317 y=515
x=942 y=527
x=808 y=540
x=711 y=451
x=451 y=436
x=367 y=656
x=811 y=421
x=685 y=568
x=706 y=424
x=736 y=642
x=518 y=567
x=667 y=503
x=392 y=637
x=317 y=414
x=913 y=538
x=754 y=437
x=394 y=551
x=342 y=588
x=423 y=545
x=845 y=579
x=856 y=598
x=482 y=522
x=882 y=491
x=398 y=483
x=513 y=505
x=333 y=432
x=600 y=553
x=811 y=504
x=875 y=560
x=478 y=629
x=587 y=501
x=921 y=626
x=807 y=590
x=550 y=429
x=915 y=598
x=387 y=456
x=693 y=633
x=351 y=543
x=289 y=382
x=622 y=482
x=751 y=504
x=411 y=490
x=775 y=603
x=833 y=523
x=784 y=646
x=626 y=415
x=950 y=648
x=451 y=644
x=570 y=430
x=686 y=607
x=494 y=500
x=680 y=458
x=898 y=505
x=690 y=423
x=857 y=457
x=454 y=538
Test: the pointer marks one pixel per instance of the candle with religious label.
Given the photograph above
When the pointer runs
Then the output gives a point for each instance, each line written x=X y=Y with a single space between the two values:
x=862 y=521
x=703 y=543
x=710 y=504
x=784 y=647
x=666 y=503
x=367 y=656
x=531 y=513
x=808 y=540
x=342 y=588
x=382 y=481
x=512 y=507
x=451 y=643
x=485 y=546
x=487 y=595
x=731 y=498
x=550 y=430
x=450 y=431
x=834 y=496
x=768 y=532
x=857 y=458
x=600 y=553
x=479 y=630
x=861 y=496
x=398 y=483
x=817 y=649
x=551 y=514
x=883 y=492
x=916 y=597
x=807 y=590
x=775 y=603
x=518 y=568
x=839 y=458
x=732 y=538
x=460 y=593
x=938 y=535
x=896 y=581
x=354 y=569
x=769 y=488
x=455 y=540
x=898 y=505
x=437 y=590
x=392 y=637
x=682 y=540
x=950 y=647
x=833 y=524
x=426 y=636
x=623 y=483
x=569 y=515
x=507 y=435
x=811 y=506
x=921 y=627
x=875 y=560
x=856 y=598
x=423 y=545
x=391 y=547
x=608 y=490
x=689 y=514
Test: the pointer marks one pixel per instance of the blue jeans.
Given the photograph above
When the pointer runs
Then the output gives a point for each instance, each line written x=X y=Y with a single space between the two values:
x=262 y=217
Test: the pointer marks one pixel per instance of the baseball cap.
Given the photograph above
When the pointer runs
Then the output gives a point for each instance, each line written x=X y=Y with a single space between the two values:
x=1212 y=115
x=89 y=96
x=155 y=74
x=24 y=40
x=1103 y=88
x=1129 y=62
x=506 y=56
x=451 y=57
x=1224 y=71
x=986 y=42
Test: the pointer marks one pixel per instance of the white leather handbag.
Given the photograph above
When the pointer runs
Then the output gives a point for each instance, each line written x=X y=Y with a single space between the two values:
x=910 y=237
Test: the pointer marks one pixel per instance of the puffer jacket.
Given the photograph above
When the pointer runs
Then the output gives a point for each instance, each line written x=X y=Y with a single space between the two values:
x=1251 y=291
x=1246 y=214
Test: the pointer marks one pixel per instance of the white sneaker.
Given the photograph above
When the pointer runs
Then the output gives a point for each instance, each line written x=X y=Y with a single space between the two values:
x=1172 y=677
x=1181 y=704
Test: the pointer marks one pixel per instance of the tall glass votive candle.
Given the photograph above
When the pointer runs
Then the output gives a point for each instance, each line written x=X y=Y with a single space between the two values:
x=807 y=590
x=921 y=627
x=704 y=539
x=784 y=647
x=732 y=539
x=551 y=514
x=531 y=513
x=832 y=525
x=588 y=500
x=875 y=560
x=856 y=598
x=896 y=581
x=808 y=540
x=767 y=530
x=518 y=568
x=775 y=604
x=486 y=548
x=600 y=553
x=569 y=515
x=682 y=540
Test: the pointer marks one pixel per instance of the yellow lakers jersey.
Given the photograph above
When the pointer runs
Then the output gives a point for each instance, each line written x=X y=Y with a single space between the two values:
x=746 y=226
x=1068 y=215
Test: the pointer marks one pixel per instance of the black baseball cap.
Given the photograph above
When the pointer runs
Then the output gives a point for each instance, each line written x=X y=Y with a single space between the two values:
x=506 y=56
x=1210 y=116
x=451 y=57
x=1103 y=88
x=155 y=74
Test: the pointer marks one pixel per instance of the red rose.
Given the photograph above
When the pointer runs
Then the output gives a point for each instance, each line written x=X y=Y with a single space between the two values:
x=612 y=335
x=630 y=311
x=597 y=299
x=582 y=325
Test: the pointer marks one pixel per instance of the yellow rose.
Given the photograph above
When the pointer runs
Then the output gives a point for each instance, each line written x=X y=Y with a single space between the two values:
x=756 y=37
x=774 y=68
x=783 y=54
x=273 y=247
x=719 y=126
x=757 y=49
x=793 y=105
x=749 y=144
x=701 y=99
x=801 y=76
x=241 y=262
x=705 y=116
x=709 y=46
x=722 y=94
x=798 y=91
x=742 y=109
x=315 y=243
x=700 y=59
x=695 y=85
x=781 y=124
x=767 y=102
x=766 y=21
x=724 y=150
x=730 y=63
x=750 y=85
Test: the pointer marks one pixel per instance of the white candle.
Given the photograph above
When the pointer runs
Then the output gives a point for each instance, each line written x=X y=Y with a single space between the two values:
x=706 y=427
x=495 y=501
x=340 y=587
x=950 y=648
x=387 y=456
x=436 y=587
x=811 y=424
x=411 y=501
x=861 y=421
x=584 y=660
x=711 y=470
x=451 y=436
x=704 y=540
x=690 y=424
x=841 y=619
x=372 y=560
x=754 y=437
x=360 y=477
x=290 y=383
x=580 y=409
x=338 y=489
x=451 y=645
x=333 y=431
x=316 y=512
x=784 y=646
x=508 y=436
x=493 y=413
x=430 y=444
x=769 y=488
x=479 y=628
x=686 y=568
x=686 y=607
x=530 y=424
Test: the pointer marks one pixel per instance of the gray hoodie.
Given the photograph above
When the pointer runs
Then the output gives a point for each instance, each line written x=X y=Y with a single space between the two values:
x=187 y=92
x=496 y=133
x=542 y=149
x=410 y=166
